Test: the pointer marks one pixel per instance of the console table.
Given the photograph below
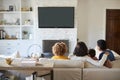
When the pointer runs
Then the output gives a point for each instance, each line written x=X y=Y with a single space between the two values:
x=16 y=65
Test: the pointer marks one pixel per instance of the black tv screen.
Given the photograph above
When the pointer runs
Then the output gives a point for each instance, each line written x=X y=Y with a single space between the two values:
x=56 y=17
x=47 y=45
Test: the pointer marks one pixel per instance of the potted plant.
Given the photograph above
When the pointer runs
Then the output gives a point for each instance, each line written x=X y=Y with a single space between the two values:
x=25 y=34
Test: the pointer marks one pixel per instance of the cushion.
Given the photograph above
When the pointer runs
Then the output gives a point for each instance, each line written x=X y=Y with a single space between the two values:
x=69 y=63
x=89 y=65
x=117 y=56
x=63 y=63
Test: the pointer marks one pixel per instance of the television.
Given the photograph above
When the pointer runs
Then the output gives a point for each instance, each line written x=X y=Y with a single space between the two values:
x=47 y=46
x=56 y=17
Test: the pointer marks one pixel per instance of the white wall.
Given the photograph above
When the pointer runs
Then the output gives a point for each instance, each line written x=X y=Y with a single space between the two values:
x=82 y=20
x=58 y=34
x=92 y=19
x=55 y=33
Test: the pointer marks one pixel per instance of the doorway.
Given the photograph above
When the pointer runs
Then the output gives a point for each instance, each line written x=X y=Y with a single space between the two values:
x=113 y=29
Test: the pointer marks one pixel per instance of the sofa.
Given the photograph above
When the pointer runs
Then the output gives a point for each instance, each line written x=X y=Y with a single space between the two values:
x=76 y=70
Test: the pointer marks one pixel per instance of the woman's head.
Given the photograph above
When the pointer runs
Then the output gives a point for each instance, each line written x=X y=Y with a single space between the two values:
x=101 y=44
x=59 y=48
x=80 y=49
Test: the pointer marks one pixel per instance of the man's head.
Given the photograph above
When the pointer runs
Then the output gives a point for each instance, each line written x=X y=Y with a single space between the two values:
x=101 y=44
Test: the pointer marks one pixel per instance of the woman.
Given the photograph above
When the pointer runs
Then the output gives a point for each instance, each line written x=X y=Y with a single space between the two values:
x=81 y=53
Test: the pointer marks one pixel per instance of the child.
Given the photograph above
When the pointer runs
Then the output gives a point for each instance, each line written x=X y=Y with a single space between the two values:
x=92 y=54
x=59 y=49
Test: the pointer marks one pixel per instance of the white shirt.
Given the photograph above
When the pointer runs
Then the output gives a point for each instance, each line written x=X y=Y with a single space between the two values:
x=88 y=59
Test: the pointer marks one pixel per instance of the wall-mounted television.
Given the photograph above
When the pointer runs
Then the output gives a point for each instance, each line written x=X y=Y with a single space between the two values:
x=56 y=17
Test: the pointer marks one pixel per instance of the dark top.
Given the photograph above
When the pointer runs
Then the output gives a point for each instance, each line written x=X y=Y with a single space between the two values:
x=110 y=56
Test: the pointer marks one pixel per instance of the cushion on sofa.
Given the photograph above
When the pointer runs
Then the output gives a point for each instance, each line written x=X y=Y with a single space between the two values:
x=117 y=56
x=63 y=63
x=89 y=65
x=115 y=64
x=69 y=63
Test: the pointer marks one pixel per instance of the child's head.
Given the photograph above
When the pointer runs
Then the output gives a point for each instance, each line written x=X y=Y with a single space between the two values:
x=91 y=53
x=59 y=48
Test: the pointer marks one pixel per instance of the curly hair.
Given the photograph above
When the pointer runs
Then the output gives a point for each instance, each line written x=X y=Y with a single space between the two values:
x=59 y=48
x=81 y=49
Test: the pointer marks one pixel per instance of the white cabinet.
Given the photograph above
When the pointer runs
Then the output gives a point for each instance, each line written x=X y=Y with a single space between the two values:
x=8 y=47
x=16 y=26
x=16 y=19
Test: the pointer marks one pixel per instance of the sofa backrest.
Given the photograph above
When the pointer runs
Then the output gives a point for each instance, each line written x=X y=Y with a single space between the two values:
x=63 y=63
x=68 y=63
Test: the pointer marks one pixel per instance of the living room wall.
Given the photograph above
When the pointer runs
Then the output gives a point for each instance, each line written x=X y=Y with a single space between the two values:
x=91 y=19
x=55 y=33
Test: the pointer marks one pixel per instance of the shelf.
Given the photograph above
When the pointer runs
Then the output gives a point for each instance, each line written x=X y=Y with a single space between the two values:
x=17 y=16
x=17 y=26
x=26 y=11
x=9 y=25
x=27 y=26
x=10 y=39
x=8 y=12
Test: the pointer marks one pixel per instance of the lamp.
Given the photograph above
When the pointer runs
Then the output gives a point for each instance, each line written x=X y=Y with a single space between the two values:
x=34 y=51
